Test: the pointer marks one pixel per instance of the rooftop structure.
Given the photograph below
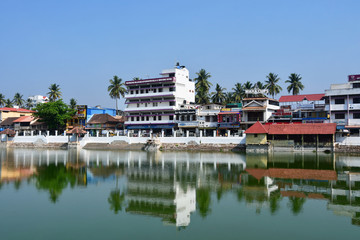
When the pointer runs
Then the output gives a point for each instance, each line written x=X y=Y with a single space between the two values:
x=38 y=99
x=6 y=112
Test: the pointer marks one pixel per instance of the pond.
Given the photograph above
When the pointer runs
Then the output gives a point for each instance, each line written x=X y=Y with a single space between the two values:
x=85 y=194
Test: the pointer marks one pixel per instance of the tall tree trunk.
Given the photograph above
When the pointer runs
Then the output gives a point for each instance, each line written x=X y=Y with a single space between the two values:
x=116 y=107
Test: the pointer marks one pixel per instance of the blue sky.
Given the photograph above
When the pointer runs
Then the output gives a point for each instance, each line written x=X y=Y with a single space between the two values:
x=80 y=45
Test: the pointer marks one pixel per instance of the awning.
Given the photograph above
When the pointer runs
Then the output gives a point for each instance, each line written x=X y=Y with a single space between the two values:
x=352 y=126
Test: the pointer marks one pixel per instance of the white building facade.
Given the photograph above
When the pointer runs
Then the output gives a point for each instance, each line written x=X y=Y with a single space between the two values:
x=343 y=104
x=38 y=99
x=151 y=103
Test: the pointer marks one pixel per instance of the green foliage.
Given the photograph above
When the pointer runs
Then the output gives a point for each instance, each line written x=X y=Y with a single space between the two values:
x=29 y=104
x=272 y=84
x=18 y=100
x=296 y=204
x=203 y=199
x=9 y=103
x=73 y=103
x=295 y=84
x=54 y=93
x=202 y=87
x=218 y=96
x=54 y=114
x=116 y=89
x=2 y=100
x=239 y=92
x=116 y=200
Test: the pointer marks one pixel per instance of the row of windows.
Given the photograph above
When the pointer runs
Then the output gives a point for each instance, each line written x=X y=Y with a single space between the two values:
x=154 y=104
x=342 y=115
x=342 y=100
x=148 y=118
x=171 y=89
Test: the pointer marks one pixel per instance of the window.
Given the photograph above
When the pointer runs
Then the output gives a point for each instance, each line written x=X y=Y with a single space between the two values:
x=159 y=117
x=138 y=105
x=147 y=90
x=255 y=135
x=339 y=115
x=137 y=118
x=340 y=101
x=171 y=117
x=145 y=104
x=155 y=104
x=142 y=118
x=131 y=92
x=154 y=118
x=154 y=90
x=147 y=118
x=141 y=91
x=356 y=115
x=172 y=103
x=160 y=89
x=137 y=91
x=132 y=119
x=172 y=89
x=356 y=100
x=356 y=85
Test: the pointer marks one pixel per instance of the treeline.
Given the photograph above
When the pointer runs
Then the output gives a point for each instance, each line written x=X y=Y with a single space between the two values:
x=221 y=96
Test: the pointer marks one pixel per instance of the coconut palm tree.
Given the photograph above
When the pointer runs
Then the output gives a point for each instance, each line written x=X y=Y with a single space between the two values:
x=296 y=204
x=272 y=84
x=9 y=103
x=229 y=97
x=239 y=92
x=248 y=85
x=73 y=103
x=29 y=103
x=259 y=85
x=2 y=100
x=218 y=96
x=135 y=78
x=116 y=89
x=295 y=84
x=202 y=86
x=116 y=199
x=18 y=99
x=54 y=93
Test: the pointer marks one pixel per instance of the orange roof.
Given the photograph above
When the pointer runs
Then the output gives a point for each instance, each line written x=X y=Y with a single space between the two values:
x=299 y=98
x=6 y=109
x=257 y=128
x=291 y=129
x=292 y=194
x=290 y=173
x=24 y=119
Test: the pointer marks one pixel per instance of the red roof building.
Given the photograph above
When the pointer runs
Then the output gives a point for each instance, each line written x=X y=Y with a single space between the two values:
x=300 y=98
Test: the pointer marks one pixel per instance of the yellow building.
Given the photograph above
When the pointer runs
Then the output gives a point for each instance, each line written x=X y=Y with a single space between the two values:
x=14 y=112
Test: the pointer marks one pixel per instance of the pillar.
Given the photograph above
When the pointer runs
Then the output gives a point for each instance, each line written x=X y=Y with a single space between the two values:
x=117 y=134
x=228 y=132
x=214 y=133
x=317 y=141
x=47 y=133
x=64 y=133
x=174 y=133
x=107 y=134
x=32 y=133
x=187 y=133
x=56 y=132
x=201 y=133
x=97 y=133
x=162 y=133
x=39 y=132
x=139 y=133
x=128 y=133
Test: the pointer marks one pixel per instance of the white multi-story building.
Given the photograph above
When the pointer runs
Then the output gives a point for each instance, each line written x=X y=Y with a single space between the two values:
x=38 y=99
x=343 y=104
x=151 y=103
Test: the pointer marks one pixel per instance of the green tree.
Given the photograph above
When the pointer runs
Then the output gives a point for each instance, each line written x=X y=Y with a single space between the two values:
x=218 y=96
x=203 y=199
x=18 y=100
x=73 y=103
x=2 y=100
x=248 y=85
x=202 y=87
x=54 y=93
x=296 y=204
x=116 y=89
x=229 y=97
x=295 y=84
x=54 y=114
x=260 y=85
x=272 y=84
x=135 y=78
x=29 y=103
x=239 y=92
x=9 y=103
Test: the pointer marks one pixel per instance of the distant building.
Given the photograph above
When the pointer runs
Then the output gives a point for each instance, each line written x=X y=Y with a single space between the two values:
x=229 y=119
x=14 y=112
x=104 y=123
x=38 y=99
x=151 y=103
x=343 y=104
x=208 y=118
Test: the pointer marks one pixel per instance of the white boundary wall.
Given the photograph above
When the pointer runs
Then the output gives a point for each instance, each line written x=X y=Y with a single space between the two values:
x=348 y=141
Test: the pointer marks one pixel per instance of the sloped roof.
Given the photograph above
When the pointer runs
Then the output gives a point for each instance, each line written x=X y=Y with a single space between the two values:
x=299 y=98
x=292 y=173
x=103 y=118
x=24 y=119
x=8 y=121
x=253 y=108
x=8 y=131
x=291 y=129
x=257 y=128
x=16 y=110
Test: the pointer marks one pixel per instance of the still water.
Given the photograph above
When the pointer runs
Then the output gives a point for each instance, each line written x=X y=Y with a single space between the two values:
x=60 y=194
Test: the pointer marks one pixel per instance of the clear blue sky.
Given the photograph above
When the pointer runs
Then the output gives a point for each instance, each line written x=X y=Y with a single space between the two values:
x=80 y=45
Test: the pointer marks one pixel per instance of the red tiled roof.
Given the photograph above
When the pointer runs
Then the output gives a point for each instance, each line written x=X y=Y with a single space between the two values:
x=258 y=173
x=293 y=173
x=299 y=98
x=291 y=129
x=16 y=110
x=292 y=194
x=257 y=128
x=24 y=119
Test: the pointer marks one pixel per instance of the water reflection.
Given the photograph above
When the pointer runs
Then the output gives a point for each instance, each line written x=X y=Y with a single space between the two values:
x=173 y=185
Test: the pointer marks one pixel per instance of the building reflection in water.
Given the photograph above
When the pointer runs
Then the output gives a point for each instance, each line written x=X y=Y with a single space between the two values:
x=173 y=185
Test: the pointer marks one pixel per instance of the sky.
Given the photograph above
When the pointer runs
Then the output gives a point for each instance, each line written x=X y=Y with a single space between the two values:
x=80 y=45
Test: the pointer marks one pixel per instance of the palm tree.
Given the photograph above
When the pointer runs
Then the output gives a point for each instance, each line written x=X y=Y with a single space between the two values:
x=116 y=199
x=2 y=100
x=248 y=85
x=202 y=86
x=296 y=204
x=239 y=92
x=29 y=103
x=259 y=85
x=18 y=99
x=116 y=89
x=218 y=96
x=229 y=97
x=295 y=84
x=135 y=78
x=54 y=93
x=73 y=103
x=9 y=103
x=271 y=84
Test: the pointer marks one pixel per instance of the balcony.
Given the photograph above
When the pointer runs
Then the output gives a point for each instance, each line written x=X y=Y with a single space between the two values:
x=150 y=108
x=354 y=122
x=188 y=123
x=337 y=107
x=150 y=94
x=354 y=106
x=208 y=124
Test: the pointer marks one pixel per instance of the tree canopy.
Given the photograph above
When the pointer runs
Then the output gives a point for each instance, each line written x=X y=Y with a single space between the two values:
x=116 y=89
x=54 y=93
x=202 y=87
x=295 y=84
x=272 y=84
x=54 y=114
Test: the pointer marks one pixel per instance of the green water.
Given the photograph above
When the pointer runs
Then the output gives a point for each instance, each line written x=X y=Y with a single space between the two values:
x=58 y=194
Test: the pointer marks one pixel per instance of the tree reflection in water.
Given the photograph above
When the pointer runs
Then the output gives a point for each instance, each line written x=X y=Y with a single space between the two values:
x=296 y=204
x=203 y=199
x=116 y=199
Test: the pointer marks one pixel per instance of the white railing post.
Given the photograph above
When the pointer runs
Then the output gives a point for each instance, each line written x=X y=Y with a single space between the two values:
x=214 y=133
x=56 y=132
